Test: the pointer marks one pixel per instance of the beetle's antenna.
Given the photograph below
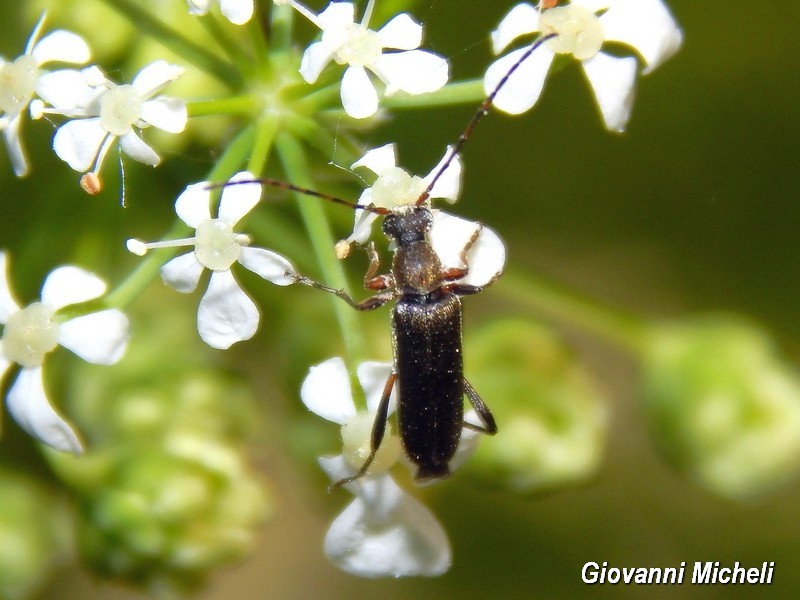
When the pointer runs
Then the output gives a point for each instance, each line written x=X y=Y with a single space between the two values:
x=482 y=111
x=285 y=185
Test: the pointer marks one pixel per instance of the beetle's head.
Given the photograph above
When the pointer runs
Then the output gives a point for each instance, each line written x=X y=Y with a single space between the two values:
x=408 y=225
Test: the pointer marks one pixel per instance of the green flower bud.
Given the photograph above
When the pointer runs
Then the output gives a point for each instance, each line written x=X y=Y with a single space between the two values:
x=551 y=418
x=34 y=532
x=165 y=494
x=167 y=516
x=724 y=406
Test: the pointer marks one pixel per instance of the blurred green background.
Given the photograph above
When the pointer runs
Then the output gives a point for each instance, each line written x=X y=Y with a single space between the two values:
x=693 y=209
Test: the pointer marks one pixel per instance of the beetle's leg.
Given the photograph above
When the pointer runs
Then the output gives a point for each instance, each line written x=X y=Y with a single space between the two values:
x=489 y=425
x=378 y=429
x=460 y=272
x=369 y=304
x=371 y=280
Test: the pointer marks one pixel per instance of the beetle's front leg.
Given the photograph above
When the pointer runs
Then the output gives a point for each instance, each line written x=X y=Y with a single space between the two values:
x=461 y=272
x=369 y=304
x=371 y=280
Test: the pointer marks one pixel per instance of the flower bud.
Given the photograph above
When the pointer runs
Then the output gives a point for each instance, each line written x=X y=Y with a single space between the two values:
x=551 y=419
x=724 y=405
x=163 y=518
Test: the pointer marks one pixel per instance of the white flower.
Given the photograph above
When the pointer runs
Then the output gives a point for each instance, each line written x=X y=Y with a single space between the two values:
x=383 y=532
x=486 y=259
x=23 y=77
x=30 y=333
x=582 y=27
x=105 y=111
x=394 y=187
x=237 y=12
x=360 y=48
x=226 y=314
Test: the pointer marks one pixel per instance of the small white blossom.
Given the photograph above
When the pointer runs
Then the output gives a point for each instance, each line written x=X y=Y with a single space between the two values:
x=104 y=111
x=237 y=12
x=30 y=333
x=226 y=314
x=23 y=77
x=581 y=29
x=383 y=532
x=486 y=259
x=353 y=44
x=394 y=187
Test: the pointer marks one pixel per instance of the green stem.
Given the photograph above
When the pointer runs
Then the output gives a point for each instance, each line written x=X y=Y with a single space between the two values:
x=281 y=27
x=194 y=53
x=338 y=149
x=261 y=47
x=313 y=214
x=460 y=92
x=226 y=41
x=266 y=128
x=246 y=105
x=555 y=300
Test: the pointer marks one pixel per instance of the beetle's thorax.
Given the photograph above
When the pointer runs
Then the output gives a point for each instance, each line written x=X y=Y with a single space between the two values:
x=416 y=266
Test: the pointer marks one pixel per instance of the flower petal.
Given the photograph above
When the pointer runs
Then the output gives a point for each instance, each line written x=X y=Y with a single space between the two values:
x=448 y=186
x=192 y=206
x=315 y=58
x=78 y=142
x=267 y=264
x=413 y=72
x=612 y=80
x=238 y=200
x=168 y=114
x=226 y=314
x=134 y=146
x=326 y=391
x=7 y=303
x=182 y=273
x=359 y=98
x=468 y=443
x=14 y=146
x=402 y=32
x=199 y=7
x=486 y=259
x=237 y=12
x=71 y=285
x=645 y=25
x=523 y=87
x=28 y=404
x=65 y=90
x=385 y=532
x=5 y=364
x=378 y=160
x=373 y=375
x=99 y=338
x=62 y=46
x=155 y=77
x=520 y=20
x=362 y=225
x=337 y=15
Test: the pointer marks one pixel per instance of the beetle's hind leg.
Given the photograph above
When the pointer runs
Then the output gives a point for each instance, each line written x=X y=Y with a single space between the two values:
x=378 y=430
x=489 y=426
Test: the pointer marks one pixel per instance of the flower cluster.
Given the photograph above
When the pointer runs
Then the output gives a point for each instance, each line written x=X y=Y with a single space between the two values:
x=32 y=332
x=580 y=29
x=384 y=530
x=226 y=314
x=102 y=111
x=353 y=44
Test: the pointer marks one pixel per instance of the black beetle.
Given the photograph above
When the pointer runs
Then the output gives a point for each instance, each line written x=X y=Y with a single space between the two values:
x=427 y=346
